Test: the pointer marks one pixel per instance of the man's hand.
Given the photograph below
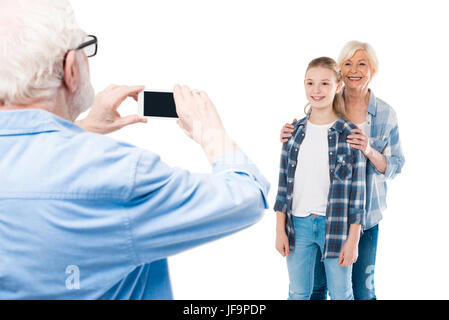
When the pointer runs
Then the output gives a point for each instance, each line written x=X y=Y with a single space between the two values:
x=199 y=119
x=103 y=117
x=286 y=131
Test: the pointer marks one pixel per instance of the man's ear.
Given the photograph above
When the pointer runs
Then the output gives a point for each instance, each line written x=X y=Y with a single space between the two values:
x=71 y=72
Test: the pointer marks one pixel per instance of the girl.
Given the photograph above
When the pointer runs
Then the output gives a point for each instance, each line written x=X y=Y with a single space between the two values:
x=320 y=203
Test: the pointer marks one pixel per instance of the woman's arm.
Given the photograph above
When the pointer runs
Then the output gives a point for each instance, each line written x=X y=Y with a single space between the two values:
x=388 y=160
x=377 y=159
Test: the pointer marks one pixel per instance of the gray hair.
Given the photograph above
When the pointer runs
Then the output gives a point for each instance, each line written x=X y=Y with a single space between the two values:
x=35 y=37
x=352 y=47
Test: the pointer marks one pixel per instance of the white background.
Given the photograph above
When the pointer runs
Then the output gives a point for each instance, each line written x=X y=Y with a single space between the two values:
x=250 y=56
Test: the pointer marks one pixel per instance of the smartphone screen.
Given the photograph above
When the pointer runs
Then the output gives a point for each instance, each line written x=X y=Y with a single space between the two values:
x=159 y=104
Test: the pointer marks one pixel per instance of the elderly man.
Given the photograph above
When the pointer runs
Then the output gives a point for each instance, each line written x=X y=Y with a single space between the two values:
x=83 y=216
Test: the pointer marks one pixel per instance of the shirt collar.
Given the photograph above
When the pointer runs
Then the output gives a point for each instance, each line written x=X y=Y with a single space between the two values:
x=338 y=125
x=372 y=105
x=29 y=121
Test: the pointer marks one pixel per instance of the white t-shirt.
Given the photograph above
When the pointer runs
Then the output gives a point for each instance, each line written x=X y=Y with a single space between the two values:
x=362 y=126
x=312 y=182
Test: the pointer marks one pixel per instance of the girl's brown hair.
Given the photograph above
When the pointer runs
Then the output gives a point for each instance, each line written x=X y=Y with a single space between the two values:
x=325 y=62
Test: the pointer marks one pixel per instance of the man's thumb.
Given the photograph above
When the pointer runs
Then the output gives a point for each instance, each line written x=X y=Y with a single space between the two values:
x=132 y=119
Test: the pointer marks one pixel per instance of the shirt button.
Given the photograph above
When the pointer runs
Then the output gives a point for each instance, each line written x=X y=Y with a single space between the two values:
x=296 y=150
x=330 y=153
x=290 y=180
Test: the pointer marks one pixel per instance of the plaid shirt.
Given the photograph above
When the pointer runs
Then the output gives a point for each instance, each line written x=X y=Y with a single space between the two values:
x=346 y=200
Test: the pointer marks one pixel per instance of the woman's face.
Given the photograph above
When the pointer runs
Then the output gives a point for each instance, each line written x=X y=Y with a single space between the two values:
x=356 y=71
x=321 y=86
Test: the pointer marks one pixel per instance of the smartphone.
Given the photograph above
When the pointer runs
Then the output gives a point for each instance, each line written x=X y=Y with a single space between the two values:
x=157 y=104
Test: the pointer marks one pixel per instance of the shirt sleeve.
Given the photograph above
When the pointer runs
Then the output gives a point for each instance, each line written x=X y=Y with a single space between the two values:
x=172 y=210
x=281 y=197
x=392 y=150
x=357 y=211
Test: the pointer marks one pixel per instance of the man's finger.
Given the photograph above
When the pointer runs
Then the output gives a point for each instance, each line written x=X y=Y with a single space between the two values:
x=129 y=91
x=186 y=92
x=132 y=119
x=179 y=98
x=121 y=93
x=111 y=87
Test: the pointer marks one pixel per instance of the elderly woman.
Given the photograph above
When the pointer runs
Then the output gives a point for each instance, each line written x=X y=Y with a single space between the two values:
x=378 y=139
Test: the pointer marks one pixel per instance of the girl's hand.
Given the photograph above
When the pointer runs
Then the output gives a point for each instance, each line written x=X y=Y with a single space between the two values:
x=349 y=252
x=286 y=131
x=282 y=243
x=359 y=140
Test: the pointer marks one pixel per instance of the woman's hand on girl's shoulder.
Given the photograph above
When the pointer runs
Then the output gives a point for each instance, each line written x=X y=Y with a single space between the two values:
x=286 y=131
x=360 y=141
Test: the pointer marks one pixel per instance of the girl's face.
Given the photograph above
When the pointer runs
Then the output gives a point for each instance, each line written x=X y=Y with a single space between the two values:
x=356 y=71
x=321 y=86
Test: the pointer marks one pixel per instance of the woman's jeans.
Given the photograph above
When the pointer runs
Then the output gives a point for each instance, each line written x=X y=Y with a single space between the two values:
x=309 y=240
x=362 y=270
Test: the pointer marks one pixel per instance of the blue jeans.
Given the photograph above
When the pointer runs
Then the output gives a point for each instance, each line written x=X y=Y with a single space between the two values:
x=309 y=239
x=362 y=270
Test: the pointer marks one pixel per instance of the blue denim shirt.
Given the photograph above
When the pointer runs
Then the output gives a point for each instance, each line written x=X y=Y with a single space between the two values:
x=83 y=216
x=383 y=131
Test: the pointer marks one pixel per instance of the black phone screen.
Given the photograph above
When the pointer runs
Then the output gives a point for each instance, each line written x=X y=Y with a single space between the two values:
x=159 y=104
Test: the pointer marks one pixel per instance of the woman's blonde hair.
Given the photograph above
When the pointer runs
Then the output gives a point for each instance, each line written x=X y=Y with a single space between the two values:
x=325 y=62
x=352 y=47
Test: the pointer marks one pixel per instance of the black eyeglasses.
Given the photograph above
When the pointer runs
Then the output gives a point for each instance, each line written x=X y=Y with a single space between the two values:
x=90 y=46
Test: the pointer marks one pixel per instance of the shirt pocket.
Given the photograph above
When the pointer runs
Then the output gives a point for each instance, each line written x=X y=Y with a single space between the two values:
x=343 y=168
x=379 y=143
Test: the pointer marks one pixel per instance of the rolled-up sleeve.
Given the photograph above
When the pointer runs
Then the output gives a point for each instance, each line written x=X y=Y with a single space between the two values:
x=172 y=210
x=357 y=207
x=392 y=151
x=393 y=154
x=281 y=196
